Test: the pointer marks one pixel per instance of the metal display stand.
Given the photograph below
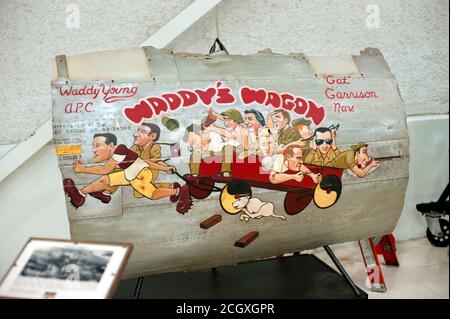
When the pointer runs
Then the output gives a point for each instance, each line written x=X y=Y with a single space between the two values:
x=297 y=276
x=137 y=289
x=341 y=269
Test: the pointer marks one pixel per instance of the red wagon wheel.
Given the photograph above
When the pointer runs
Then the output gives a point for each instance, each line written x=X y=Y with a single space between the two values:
x=328 y=191
x=296 y=201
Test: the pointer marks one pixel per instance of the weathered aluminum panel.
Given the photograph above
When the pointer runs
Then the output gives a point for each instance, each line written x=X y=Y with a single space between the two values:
x=366 y=105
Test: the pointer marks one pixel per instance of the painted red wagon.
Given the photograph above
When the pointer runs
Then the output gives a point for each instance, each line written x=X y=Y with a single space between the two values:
x=298 y=194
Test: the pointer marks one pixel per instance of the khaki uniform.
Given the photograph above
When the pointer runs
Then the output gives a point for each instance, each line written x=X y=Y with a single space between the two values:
x=149 y=153
x=306 y=147
x=345 y=160
x=315 y=157
x=288 y=135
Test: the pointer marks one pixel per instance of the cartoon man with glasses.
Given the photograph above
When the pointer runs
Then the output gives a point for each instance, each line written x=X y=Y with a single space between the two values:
x=324 y=147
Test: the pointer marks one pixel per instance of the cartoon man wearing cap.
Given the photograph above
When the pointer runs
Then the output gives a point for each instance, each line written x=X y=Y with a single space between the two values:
x=324 y=148
x=254 y=121
x=235 y=135
x=145 y=146
x=279 y=120
x=132 y=171
x=303 y=127
x=356 y=160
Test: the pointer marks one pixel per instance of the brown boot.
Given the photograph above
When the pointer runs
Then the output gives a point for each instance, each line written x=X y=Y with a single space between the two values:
x=104 y=198
x=175 y=198
x=185 y=202
x=191 y=178
x=76 y=199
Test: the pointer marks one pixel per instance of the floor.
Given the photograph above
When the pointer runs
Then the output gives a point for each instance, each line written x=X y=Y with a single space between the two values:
x=423 y=271
x=423 y=274
x=299 y=277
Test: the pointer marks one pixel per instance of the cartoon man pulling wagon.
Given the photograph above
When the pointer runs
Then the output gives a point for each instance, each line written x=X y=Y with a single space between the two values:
x=132 y=170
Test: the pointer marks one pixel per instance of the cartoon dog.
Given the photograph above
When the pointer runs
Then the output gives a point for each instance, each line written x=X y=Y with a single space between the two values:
x=251 y=207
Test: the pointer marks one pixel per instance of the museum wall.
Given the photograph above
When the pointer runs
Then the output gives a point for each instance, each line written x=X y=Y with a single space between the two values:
x=412 y=35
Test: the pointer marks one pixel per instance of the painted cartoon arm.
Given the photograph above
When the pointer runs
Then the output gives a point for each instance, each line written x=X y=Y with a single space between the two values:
x=157 y=166
x=334 y=145
x=221 y=131
x=277 y=178
x=269 y=123
x=282 y=147
x=362 y=172
x=155 y=155
x=317 y=178
x=80 y=167
x=215 y=114
x=162 y=163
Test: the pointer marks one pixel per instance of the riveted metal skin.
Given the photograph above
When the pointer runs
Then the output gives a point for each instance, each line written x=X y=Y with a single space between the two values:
x=358 y=93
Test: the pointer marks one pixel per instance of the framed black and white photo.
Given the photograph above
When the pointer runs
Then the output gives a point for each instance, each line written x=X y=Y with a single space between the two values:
x=63 y=269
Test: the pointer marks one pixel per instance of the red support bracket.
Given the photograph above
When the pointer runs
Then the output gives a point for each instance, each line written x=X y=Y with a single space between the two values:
x=370 y=249
x=386 y=247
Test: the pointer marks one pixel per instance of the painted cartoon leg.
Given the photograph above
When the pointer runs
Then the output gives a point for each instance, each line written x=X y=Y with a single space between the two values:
x=136 y=194
x=164 y=192
x=142 y=184
x=182 y=193
x=97 y=186
x=104 y=197
x=173 y=198
x=113 y=181
x=111 y=189
x=244 y=217
x=194 y=163
x=78 y=197
x=267 y=210
x=227 y=158
x=100 y=194
x=279 y=216
x=155 y=174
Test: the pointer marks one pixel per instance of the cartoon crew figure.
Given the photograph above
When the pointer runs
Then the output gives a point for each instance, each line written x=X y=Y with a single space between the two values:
x=356 y=160
x=289 y=166
x=145 y=145
x=123 y=167
x=284 y=152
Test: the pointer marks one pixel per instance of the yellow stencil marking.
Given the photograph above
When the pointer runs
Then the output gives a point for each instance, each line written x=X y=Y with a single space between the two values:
x=68 y=150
